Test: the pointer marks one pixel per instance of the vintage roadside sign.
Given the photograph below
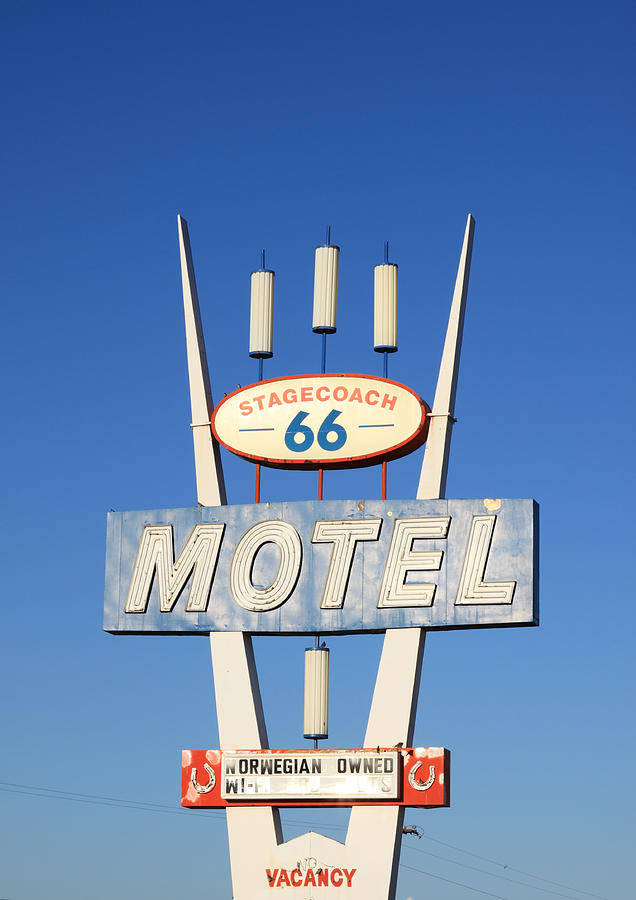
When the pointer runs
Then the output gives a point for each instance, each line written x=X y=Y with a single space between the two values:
x=401 y=567
x=322 y=567
x=322 y=421
x=406 y=776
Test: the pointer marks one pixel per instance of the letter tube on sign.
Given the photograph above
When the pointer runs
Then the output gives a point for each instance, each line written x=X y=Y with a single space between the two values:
x=402 y=559
x=472 y=587
x=156 y=554
x=286 y=538
x=344 y=535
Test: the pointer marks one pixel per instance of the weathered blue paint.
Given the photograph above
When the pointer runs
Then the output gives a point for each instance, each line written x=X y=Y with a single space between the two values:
x=513 y=556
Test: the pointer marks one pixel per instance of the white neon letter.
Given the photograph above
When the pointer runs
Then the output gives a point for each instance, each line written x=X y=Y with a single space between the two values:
x=156 y=554
x=472 y=588
x=286 y=538
x=344 y=534
x=402 y=559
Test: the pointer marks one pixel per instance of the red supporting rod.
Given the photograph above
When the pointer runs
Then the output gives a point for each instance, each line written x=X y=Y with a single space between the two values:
x=320 y=471
x=384 y=480
x=257 y=484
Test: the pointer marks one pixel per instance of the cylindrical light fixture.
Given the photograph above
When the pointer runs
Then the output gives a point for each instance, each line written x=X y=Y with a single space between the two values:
x=325 y=289
x=385 y=308
x=262 y=314
x=316 y=719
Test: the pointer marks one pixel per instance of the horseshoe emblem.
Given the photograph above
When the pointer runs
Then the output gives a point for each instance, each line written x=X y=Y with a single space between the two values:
x=199 y=787
x=422 y=785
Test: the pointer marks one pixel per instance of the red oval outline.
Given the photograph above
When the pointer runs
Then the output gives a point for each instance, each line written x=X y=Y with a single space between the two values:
x=353 y=462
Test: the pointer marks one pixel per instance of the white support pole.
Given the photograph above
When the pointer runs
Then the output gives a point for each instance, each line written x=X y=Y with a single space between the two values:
x=207 y=456
x=238 y=699
x=377 y=831
x=435 y=463
x=251 y=831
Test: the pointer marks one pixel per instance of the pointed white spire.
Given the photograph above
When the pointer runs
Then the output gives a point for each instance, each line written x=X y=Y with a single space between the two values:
x=207 y=456
x=435 y=464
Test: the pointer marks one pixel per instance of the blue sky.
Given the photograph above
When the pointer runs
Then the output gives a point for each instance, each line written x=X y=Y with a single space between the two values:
x=261 y=124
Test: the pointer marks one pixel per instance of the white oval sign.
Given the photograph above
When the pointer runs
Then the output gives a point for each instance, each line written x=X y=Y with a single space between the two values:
x=321 y=421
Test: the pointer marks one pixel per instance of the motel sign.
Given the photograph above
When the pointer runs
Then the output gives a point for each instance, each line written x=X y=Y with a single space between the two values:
x=401 y=567
x=341 y=567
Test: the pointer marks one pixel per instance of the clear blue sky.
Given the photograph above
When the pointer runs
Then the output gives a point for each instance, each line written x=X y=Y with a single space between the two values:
x=261 y=123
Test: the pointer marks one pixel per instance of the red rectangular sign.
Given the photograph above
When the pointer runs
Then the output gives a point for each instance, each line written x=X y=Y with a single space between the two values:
x=399 y=776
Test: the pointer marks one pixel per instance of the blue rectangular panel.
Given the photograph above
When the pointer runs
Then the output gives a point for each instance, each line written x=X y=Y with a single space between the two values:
x=371 y=565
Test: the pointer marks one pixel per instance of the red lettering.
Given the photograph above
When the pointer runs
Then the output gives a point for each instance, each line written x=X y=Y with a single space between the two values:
x=295 y=883
x=274 y=400
x=370 y=394
x=290 y=396
x=356 y=395
x=245 y=407
x=348 y=874
x=283 y=879
x=306 y=394
x=310 y=874
x=271 y=876
x=323 y=878
x=343 y=393
x=322 y=393
x=259 y=400
x=389 y=401
x=336 y=877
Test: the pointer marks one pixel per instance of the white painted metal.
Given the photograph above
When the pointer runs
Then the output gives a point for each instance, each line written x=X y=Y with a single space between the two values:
x=326 y=289
x=435 y=464
x=373 y=842
x=316 y=718
x=385 y=299
x=376 y=832
x=262 y=313
x=239 y=708
x=207 y=455
x=253 y=833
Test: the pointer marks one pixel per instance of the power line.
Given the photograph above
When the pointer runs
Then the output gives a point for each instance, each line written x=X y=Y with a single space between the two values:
x=495 y=862
x=96 y=800
x=456 y=883
x=140 y=805
x=455 y=862
x=147 y=806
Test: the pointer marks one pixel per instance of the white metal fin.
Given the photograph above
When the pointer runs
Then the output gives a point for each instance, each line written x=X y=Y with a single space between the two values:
x=207 y=456
x=378 y=830
x=238 y=699
x=435 y=463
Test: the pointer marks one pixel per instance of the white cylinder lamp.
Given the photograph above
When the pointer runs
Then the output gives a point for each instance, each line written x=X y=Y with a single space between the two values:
x=325 y=289
x=316 y=717
x=385 y=308
x=262 y=314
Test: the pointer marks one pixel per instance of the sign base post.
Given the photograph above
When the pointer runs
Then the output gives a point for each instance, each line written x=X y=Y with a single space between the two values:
x=372 y=846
